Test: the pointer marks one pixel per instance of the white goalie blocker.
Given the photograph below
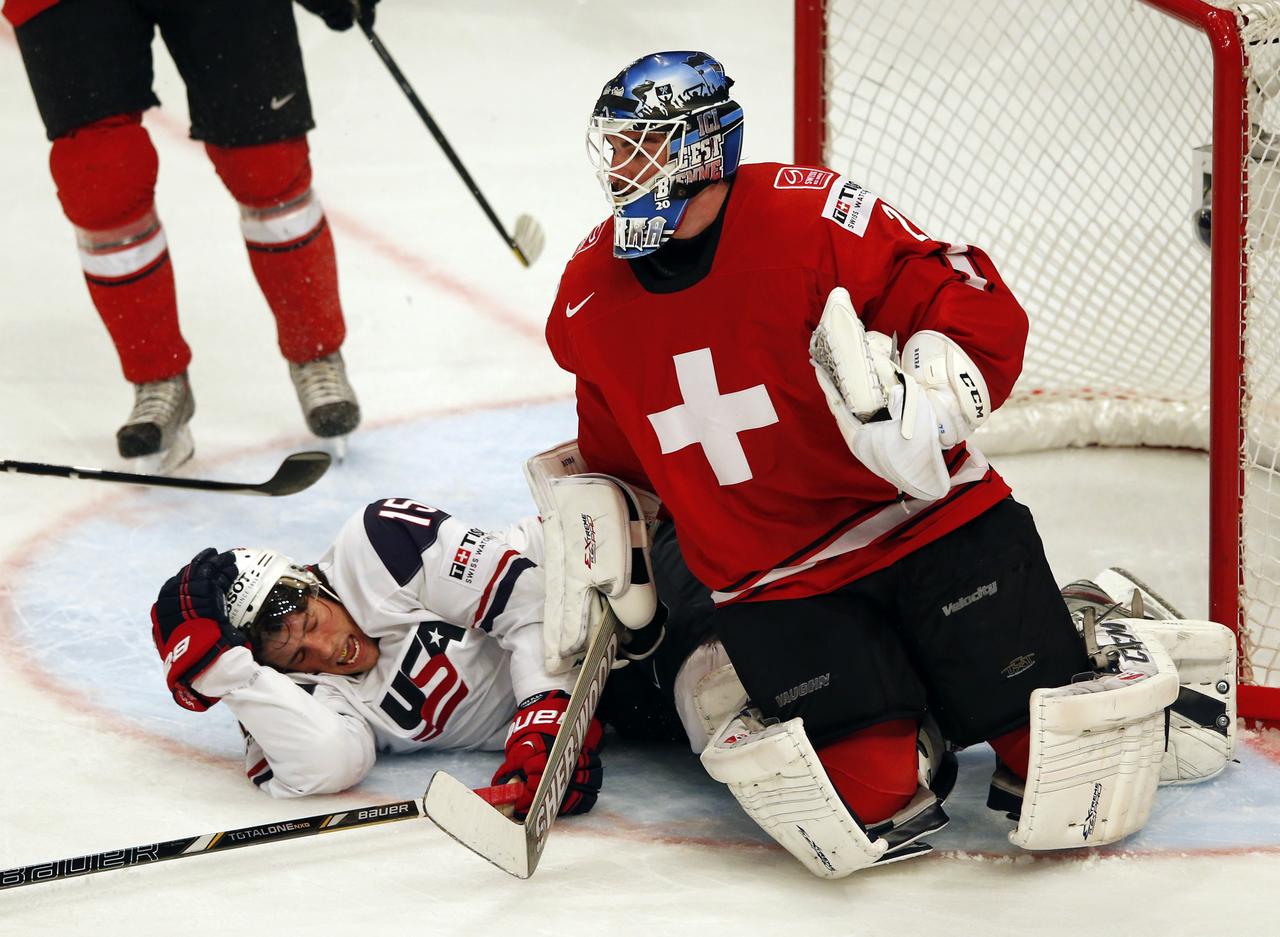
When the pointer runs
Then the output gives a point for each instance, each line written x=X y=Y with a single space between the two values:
x=596 y=540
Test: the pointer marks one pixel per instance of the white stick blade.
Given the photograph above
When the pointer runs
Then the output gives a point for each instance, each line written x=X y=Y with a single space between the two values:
x=529 y=238
x=472 y=821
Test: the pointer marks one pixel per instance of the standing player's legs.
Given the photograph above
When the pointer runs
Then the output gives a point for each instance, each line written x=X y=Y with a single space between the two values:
x=89 y=62
x=986 y=625
x=248 y=96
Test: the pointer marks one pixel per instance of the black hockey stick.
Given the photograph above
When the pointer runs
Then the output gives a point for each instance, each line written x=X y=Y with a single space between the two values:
x=296 y=473
x=516 y=847
x=229 y=839
x=528 y=239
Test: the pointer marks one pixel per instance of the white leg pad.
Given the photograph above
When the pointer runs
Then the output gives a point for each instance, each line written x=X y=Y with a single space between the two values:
x=1097 y=748
x=775 y=775
x=1202 y=720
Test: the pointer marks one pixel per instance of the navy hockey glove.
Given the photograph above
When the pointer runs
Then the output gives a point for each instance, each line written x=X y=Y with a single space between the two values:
x=189 y=624
x=533 y=732
x=341 y=14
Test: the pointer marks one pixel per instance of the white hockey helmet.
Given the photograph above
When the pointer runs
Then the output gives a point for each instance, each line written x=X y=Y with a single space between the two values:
x=268 y=586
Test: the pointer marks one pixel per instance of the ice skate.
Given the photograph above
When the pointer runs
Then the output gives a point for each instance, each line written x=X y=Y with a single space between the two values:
x=157 y=431
x=327 y=400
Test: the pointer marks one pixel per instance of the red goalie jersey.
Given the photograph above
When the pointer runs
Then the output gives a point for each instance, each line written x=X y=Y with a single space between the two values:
x=706 y=394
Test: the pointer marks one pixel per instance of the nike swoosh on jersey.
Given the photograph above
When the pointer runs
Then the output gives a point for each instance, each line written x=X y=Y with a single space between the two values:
x=570 y=310
x=277 y=103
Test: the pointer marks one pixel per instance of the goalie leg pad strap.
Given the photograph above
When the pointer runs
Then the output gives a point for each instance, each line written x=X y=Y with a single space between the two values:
x=775 y=775
x=1096 y=750
x=1202 y=720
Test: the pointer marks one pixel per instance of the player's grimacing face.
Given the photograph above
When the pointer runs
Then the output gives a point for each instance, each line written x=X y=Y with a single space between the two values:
x=321 y=638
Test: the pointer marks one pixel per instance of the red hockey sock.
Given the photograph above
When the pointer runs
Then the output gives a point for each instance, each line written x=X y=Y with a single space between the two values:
x=106 y=175
x=875 y=769
x=290 y=247
x=1014 y=749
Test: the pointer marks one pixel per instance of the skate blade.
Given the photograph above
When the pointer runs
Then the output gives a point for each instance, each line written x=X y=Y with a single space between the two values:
x=339 y=448
x=167 y=461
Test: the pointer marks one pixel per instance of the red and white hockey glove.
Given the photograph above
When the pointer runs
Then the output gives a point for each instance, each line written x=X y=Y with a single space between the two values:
x=533 y=732
x=189 y=624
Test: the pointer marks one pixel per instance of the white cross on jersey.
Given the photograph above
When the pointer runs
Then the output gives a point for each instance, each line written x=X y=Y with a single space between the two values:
x=711 y=419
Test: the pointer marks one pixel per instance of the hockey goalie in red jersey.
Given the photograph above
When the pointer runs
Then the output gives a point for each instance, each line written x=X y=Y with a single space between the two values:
x=794 y=368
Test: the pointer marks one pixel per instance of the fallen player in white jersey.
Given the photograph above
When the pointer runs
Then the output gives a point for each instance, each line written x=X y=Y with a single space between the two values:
x=413 y=631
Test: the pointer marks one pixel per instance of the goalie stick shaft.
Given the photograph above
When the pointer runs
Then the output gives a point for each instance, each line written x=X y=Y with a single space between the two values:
x=440 y=138
x=296 y=473
x=228 y=839
x=562 y=760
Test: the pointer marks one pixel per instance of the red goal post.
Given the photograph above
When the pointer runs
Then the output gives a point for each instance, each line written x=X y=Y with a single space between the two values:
x=1071 y=139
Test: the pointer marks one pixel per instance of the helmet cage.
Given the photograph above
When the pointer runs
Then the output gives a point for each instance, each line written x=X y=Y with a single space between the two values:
x=632 y=155
x=290 y=594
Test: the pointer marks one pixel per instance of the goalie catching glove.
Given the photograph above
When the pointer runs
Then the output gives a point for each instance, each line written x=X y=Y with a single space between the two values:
x=597 y=544
x=533 y=732
x=897 y=415
x=189 y=624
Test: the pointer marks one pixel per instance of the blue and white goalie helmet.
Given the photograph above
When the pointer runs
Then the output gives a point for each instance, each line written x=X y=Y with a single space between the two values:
x=663 y=129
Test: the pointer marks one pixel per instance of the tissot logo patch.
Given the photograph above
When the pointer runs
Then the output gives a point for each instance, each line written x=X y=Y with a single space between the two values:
x=467 y=555
x=802 y=177
x=849 y=205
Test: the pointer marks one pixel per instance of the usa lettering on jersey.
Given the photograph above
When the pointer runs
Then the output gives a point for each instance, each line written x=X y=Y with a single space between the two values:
x=425 y=693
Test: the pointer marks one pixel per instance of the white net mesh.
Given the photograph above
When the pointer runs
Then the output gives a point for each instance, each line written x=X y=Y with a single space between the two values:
x=1069 y=138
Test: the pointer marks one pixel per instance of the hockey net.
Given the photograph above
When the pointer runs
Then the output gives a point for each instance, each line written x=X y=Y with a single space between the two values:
x=1077 y=142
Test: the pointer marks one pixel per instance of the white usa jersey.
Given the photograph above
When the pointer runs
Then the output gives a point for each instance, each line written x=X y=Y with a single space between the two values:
x=457 y=613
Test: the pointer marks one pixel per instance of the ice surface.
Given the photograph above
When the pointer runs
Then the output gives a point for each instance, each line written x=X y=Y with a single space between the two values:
x=445 y=351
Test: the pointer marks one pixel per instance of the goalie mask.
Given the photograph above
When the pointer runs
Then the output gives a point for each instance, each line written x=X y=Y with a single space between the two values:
x=663 y=129
x=268 y=586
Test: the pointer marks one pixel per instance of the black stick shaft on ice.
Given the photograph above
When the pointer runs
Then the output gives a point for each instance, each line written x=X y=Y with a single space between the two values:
x=232 y=839
x=296 y=473
x=209 y=842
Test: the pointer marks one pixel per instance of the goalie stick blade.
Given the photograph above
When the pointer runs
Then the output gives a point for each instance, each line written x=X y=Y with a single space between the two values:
x=516 y=847
x=476 y=824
